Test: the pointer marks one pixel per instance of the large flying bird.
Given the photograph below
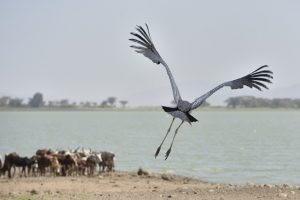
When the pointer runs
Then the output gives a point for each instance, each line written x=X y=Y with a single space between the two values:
x=145 y=46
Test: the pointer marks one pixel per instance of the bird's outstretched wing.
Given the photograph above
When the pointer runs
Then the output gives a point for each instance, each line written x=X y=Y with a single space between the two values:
x=256 y=79
x=147 y=48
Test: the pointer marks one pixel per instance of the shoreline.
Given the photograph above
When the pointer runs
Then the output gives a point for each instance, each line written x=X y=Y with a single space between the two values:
x=142 y=109
x=130 y=185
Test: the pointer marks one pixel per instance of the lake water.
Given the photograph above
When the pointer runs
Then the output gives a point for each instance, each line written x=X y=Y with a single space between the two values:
x=225 y=146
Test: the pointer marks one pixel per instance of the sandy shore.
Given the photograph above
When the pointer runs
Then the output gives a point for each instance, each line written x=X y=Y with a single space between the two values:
x=129 y=185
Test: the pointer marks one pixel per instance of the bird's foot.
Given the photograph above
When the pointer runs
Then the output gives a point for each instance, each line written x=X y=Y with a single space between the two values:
x=168 y=153
x=157 y=151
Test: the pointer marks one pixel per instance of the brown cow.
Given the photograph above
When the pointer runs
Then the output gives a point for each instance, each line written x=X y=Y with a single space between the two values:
x=68 y=163
x=44 y=161
x=41 y=152
x=81 y=166
x=47 y=161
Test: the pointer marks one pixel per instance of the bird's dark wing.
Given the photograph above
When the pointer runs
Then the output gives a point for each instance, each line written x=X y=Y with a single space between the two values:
x=146 y=47
x=256 y=79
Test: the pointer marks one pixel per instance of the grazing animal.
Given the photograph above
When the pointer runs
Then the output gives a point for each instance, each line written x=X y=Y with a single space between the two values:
x=55 y=166
x=182 y=110
x=14 y=160
x=34 y=167
x=24 y=162
x=1 y=171
x=44 y=162
x=107 y=161
x=68 y=163
x=9 y=162
x=41 y=152
x=81 y=166
x=92 y=162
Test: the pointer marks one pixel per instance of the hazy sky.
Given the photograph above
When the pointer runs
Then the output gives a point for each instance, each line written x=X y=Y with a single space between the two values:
x=79 y=50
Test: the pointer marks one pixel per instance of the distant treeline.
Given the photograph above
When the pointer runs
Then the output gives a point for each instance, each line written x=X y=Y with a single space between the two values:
x=37 y=101
x=254 y=102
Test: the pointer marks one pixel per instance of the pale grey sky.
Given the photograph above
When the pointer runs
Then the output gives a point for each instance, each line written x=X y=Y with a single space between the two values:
x=80 y=50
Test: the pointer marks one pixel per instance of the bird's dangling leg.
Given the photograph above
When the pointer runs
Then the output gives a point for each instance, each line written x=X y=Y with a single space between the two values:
x=158 y=149
x=169 y=150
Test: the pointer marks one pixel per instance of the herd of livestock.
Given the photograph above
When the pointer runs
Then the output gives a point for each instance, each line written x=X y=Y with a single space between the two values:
x=58 y=163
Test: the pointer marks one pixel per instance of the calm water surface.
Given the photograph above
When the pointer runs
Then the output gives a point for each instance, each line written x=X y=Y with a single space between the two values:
x=227 y=147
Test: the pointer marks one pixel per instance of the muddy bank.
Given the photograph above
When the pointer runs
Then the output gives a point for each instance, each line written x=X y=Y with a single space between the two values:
x=130 y=185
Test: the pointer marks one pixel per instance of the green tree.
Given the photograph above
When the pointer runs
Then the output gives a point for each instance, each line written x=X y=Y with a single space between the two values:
x=15 y=102
x=123 y=103
x=103 y=104
x=297 y=103
x=233 y=102
x=51 y=104
x=64 y=103
x=4 y=101
x=87 y=104
x=111 y=101
x=37 y=100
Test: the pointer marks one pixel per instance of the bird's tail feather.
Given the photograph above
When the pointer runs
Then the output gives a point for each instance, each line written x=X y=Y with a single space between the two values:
x=191 y=118
x=169 y=109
